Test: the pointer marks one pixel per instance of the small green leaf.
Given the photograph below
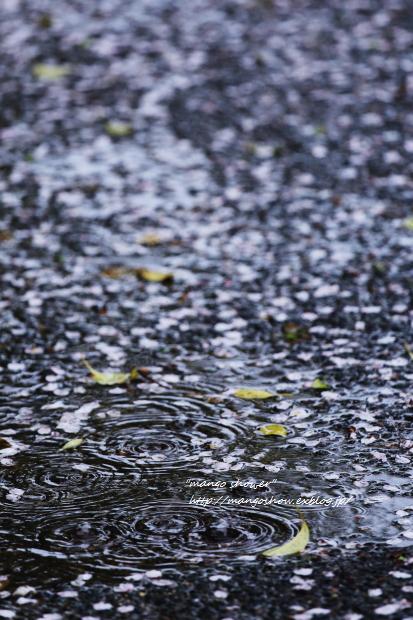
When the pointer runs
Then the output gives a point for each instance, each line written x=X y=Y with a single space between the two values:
x=408 y=223
x=50 y=73
x=118 y=129
x=154 y=276
x=295 y=545
x=251 y=394
x=319 y=384
x=72 y=444
x=45 y=21
x=293 y=332
x=110 y=378
x=274 y=429
x=379 y=268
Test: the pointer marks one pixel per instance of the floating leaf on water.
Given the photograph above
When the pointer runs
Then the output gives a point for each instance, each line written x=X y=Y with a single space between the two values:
x=319 y=384
x=44 y=71
x=295 y=545
x=408 y=350
x=72 y=444
x=4 y=444
x=110 y=378
x=118 y=129
x=154 y=276
x=251 y=394
x=274 y=429
x=408 y=223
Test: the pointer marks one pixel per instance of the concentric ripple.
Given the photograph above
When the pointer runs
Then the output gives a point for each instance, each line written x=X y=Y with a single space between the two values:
x=37 y=483
x=167 y=434
x=158 y=533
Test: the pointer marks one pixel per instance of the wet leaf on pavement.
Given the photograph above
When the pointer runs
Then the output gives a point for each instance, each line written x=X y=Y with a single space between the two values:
x=408 y=223
x=117 y=129
x=319 y=384
x=154 y=276
x=150 y=239
x=50 y=73
x=110 y=378
x=408 y=350
x=252 y=394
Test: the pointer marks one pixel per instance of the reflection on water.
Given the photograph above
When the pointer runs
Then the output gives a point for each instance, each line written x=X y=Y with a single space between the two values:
x=152 y=533
x=121 y=502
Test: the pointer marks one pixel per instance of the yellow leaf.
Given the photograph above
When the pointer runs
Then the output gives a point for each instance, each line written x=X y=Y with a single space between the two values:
x=408 y=223
x=73 y=443
x=319 y=384
x=110 y=378
x=295 y=545
x=274 y=429
x=150 y=239
x=117 y=129
x=251 y=394
x=408 y=350
x=154 y=276
x=50 y=72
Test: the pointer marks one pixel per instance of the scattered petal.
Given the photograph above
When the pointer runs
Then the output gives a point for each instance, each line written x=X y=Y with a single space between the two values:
x=392 y=608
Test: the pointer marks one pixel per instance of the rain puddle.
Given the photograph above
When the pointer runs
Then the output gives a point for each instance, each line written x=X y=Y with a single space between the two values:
x=168 y=476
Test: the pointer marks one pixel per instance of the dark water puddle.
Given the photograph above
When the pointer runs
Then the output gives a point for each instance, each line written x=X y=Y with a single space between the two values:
x=122 y=502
